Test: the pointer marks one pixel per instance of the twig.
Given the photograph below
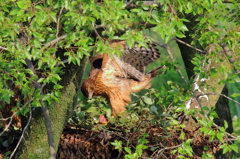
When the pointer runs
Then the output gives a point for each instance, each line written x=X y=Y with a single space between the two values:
x=171 y=57
x=58 y=21
x=95 y=31
x=116 y=134
x=154 y=2
x=219 y=95
x=202 y=51
x=178 y=70
x=230 y=57
x=174 y=38
x=168 y=148
x=99 y=26
x=3 y=48
x=53 y=42
x=218 y=127
x=23 y=132
x=12 y=117
x=9 y=123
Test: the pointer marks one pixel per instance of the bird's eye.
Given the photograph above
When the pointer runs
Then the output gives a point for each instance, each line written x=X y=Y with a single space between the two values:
x=97 y=64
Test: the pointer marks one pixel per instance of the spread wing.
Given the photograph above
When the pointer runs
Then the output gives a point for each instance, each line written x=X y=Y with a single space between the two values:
x=134 y=60
x=131 y=64
x=112 y=77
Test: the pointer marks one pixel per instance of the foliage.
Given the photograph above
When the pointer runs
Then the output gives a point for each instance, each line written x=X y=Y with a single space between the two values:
x=162 y=110
x=48 y=33
x=139 y=148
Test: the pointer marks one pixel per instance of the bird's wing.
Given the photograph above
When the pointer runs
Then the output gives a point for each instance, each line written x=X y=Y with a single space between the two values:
x=110 y=70
x=134 y=60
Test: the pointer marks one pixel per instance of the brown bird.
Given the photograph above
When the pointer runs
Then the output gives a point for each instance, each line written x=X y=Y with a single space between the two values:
x=115 y=78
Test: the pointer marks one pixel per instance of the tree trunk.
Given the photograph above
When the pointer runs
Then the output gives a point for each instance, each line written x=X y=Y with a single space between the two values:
x=188 y=53
x=35 y=143
x=219 y=102
x=223 y=111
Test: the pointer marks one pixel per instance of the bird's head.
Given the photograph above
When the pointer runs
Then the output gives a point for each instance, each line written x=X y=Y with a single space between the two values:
x=88 y=85
x=86 y=89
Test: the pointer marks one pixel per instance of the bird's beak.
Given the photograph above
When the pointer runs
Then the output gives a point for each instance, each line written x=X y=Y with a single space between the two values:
x=90 y=95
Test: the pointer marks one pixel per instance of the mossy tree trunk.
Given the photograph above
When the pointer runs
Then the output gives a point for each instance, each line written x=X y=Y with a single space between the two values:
x=36 y=139
x=211 y=84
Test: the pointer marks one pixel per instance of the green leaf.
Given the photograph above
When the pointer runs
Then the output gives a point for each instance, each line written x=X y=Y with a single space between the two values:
x=131 y=156
x=235 y=95
x=180 y=34
x=154 y=109
x=24 y=4
x=225 y=124
x=220 y=136
x=234 y=147
x=128 y=150
x=57 y=86
x=173 y=151
x=147 y=100
x=189 y=6
x=117 y=144
x=57 y=94
x=225 y=150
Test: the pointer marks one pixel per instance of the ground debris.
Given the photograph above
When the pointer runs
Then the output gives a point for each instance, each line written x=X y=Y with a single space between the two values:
x=91 y=144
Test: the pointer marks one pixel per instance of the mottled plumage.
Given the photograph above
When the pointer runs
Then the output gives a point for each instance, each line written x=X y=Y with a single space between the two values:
x=115 y=78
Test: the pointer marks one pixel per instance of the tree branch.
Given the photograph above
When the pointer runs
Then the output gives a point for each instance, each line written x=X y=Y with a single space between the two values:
x=219 y=95
x=51 y=43
x=180 y=41
x=58 y=21
x=229 y=53
x=3 y=48
x=45 y=112
x=23 y=132
x=171 y=57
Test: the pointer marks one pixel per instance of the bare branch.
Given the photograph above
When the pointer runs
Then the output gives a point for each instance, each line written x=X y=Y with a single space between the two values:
x=219 y=95
x=218 y=127
x=231 y=59
x=178 y=70
x=51 y=43
x=95 y=31
x=23 y=132
x=9 y=123
x=3 y=48
x=11 y=117
x=171 y=57
x=168 y=148
x=202 y=51
x=58 y=21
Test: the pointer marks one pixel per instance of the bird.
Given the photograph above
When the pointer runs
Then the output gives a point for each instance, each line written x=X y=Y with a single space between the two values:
x=115 y=78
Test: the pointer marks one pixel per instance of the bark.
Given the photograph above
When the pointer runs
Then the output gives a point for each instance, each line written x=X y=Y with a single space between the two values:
x=210 y=85
x=223 y=111
x=35 y=144
x=187 y=53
